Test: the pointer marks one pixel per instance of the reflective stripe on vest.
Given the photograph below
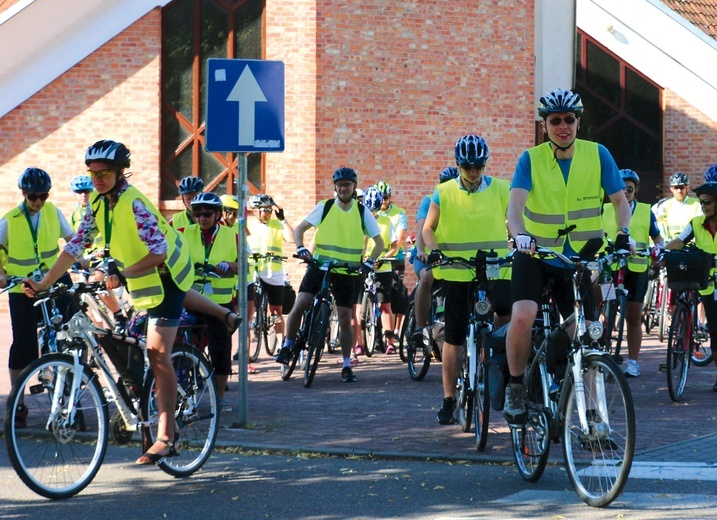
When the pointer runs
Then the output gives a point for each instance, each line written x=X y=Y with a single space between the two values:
x=639 y=231
x=224 y=249
x=340 y=236
x=679 y=214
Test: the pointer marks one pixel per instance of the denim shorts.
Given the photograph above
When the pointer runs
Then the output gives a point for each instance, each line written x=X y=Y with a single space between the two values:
x=167 y=313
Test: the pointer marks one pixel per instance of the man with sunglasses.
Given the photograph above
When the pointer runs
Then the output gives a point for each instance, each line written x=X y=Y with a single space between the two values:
x=675 y=213
x=643 y=227
x=189 y=187
x=555 y=202
x=29 y=233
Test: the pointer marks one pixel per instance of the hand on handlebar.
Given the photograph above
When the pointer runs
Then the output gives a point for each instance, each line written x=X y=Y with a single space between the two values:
x=367 y=266
x=222 y=267
x=525 y=243
x=435 y=256
x=304 y=253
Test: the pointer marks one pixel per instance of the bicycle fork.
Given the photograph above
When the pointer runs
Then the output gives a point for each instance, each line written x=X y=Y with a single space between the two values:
x=60 y=381
x=596 y=425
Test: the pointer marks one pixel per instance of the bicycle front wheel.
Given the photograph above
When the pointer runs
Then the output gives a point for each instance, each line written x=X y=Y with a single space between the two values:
x=407 y=329
x=598 y=460
x=679 y=351
x=56 y=451
x=369 y=330
x=332 y=335
x=317 y=337
x=258 y=326
x=662 y=320
x=196 y=414
x=649 y=309
x=481 y=405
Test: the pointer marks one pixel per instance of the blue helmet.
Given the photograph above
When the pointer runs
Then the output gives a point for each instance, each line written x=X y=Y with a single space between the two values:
x=471 y=149
x=560 y=100
x=345 y=174
x=81 y=183
x=629 y=175
x=711 y=174
x=373 y=198
x=110 y=152
x=34 y=180
x=447 y=174
x=190 y=184
x=208 y=199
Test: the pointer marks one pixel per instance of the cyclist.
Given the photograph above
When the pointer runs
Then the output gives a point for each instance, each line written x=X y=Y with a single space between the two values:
x=189 y=187
x=29 y=234
x=210 y=243
x=703 y=229
x=341 y=225
x=676 y=212
x=373 y=199
x=81 y=186
x=267 y=235
x=465 y=215
x=230 y=211
x=419 y=258
x=643 y=227
x=397 y=214
x=555 y=199
x=152 y=260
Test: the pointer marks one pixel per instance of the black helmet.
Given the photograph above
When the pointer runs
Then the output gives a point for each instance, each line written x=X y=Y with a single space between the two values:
x=190 y=184
x=345 y=174
x=708 y=188
x=110 y=152
x=34 y=180
x=679 y=179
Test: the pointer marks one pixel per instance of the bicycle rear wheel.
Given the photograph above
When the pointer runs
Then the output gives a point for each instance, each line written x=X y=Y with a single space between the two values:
x=679 y=351
x=196 y=414
x=56 y=455
x=316 y=342
x=531 y=441
x=615 y=312
x=662 y=320
x=407 y=329
x=481 y=405
x=649 y=309
x=598 y=462
x=418 y=357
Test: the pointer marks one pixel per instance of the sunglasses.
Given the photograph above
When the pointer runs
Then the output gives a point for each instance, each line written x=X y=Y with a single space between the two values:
x=32 y=197
x=629 y=190
x=84 y=192
x=555 y=121
x=469 y=167
x=205 y=214
x=681 y=187
x=100 y=173
x=706 y=202
x=231 y=212
x=265 y=210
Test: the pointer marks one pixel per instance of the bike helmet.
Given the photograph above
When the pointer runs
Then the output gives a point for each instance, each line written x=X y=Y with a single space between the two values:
x=709 y=188
x=261 y=200
x=229 y=201
x=210 y=200
x=190 y=184
x=679 y=179
x=80 y=183
x=449 y=173
x=711 y=174
x=110 y=152
x=560 y=100
x=373 y=198
x=34 y=180
x=384 y=188
x=630 y=175
x=471 y=149
x=358 y=193
x=345 y=174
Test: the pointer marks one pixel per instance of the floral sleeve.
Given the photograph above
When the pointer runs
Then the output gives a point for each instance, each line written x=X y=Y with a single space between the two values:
x=85 y=235
x=148 y=228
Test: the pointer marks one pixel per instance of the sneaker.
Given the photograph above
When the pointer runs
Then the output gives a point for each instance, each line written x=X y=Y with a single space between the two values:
x=347 y=375
x=445 y=414
x=284 y=355
x=21 y=416
x=514 y=410
x=632 y=369
x=225 y=406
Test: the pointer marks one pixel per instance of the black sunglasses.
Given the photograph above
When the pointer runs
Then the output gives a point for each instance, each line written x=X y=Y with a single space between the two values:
x=205 y=214
x=555 y=121
x=32 y=197
x=84 y=192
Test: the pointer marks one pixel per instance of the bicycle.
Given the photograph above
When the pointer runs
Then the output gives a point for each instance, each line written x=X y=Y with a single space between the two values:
x=263 y=323
x=419 y=357
x=311 y=338
x=61 y=448
x=589 y=409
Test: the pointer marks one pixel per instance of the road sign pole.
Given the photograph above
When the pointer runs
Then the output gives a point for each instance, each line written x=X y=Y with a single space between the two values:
x=241 y=191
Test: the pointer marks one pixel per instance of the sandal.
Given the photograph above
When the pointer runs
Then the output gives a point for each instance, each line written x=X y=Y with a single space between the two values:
x=232 y=328
x=358 y=350
x=251 y=369
x=390 y=349
x=150 y=459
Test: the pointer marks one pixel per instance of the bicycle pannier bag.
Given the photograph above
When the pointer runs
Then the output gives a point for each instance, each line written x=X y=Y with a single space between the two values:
x=127 y=359
x=688 y=270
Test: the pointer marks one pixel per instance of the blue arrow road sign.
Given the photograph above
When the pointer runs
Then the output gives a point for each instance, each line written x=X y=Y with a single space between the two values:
x=245 y=105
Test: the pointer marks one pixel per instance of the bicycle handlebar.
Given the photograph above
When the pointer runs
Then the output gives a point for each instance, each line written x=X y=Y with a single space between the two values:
x=331 y=265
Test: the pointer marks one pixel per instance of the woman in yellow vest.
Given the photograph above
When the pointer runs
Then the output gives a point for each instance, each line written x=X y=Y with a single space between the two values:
x=29 y=234
x=230 y=212
x=643 y=227
x=703 y=229
x=152 y=260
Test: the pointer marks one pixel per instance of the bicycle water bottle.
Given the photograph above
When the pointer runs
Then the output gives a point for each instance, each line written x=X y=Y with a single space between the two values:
x=492 y=265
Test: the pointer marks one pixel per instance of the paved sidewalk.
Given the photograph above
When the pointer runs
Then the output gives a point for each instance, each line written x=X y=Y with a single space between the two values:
x=387 y=414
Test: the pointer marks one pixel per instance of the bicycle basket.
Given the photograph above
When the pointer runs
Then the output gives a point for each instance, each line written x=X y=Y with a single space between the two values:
x=688 y=270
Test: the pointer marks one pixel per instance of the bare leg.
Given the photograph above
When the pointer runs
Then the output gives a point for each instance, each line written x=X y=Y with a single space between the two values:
x=451 y=367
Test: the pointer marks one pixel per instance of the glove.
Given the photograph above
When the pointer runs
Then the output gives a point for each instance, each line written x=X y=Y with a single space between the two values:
x=222 y=267
x=622 y=241
x=367 y=266
x=523 y=241
x=303 y=252
x=279 y=214
x=656 y=251
x=112 y=269
x=435 y=256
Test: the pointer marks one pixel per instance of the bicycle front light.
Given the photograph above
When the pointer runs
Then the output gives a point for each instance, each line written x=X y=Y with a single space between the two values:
x=595 y=330
x=482 y=307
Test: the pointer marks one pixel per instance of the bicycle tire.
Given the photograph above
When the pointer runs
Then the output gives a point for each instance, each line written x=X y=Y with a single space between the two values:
x=258 y=326
x=369 y=330
x=271 y=341
x=464 y=401
x=407 y=328
x=616 y=325
x=531 y=441
x=296 y=349
x=481 y=407
x=58 y=461
x=317 y=338
x=679 y=351
x=701 y=354
x=650 y=307
x=598 y=463
x=418 y=358
x=196 y=414
x=662 y=327
x=332 y=335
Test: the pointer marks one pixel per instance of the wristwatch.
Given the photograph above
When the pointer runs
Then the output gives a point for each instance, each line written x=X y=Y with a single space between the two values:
x=623 y=230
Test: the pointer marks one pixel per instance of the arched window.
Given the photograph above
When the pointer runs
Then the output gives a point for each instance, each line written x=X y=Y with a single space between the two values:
x=192 y=31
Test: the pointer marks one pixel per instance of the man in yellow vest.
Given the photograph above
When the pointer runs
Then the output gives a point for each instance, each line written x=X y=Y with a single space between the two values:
x=213 y=245
x=29 y=233
x=339 y=237
x=189 y=187
x=675 y=213
x=643 y=227
x=466 y=215
x=555 y=201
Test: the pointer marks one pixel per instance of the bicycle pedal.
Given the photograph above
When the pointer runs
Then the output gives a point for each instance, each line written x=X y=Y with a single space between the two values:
x=662 y=367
